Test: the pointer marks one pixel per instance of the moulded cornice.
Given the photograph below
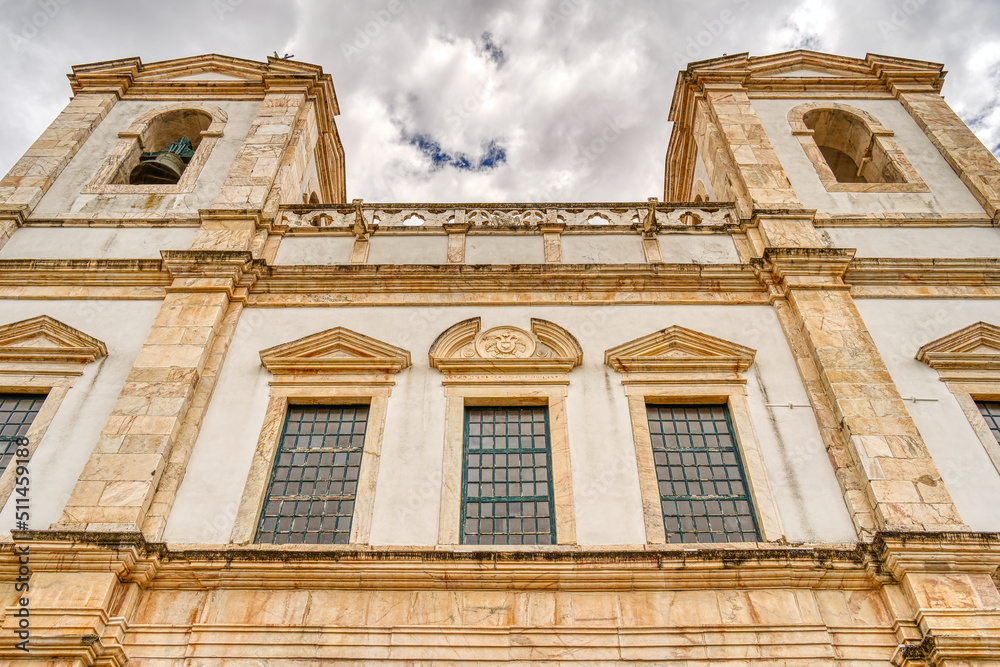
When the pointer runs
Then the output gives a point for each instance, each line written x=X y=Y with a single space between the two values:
x=964 y=354
x=679 y=350
x=546 y=349
x=243 y=78
x=337 y=350
x=43 y=339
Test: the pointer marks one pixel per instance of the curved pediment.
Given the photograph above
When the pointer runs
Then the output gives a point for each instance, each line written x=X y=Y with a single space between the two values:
x=43 y=339
x=337 y=350
x=547 y=348
x=679 y=350
x=974 y=349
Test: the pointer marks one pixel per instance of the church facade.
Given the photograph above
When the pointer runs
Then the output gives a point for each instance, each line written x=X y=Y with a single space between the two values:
x=245 y=420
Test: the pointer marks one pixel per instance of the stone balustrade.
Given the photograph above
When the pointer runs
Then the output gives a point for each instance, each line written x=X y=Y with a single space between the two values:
x=536 y=216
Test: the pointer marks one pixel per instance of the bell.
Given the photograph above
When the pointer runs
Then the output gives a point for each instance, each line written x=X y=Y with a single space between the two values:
x=165 y=169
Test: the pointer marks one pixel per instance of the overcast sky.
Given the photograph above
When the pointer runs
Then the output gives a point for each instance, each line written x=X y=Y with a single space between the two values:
x=522 y=100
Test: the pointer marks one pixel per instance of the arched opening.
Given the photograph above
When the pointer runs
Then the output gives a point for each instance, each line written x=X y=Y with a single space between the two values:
x=170 y=140
x=853 y=153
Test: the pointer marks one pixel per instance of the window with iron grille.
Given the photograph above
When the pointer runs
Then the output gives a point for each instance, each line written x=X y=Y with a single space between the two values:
x=314 y=481
x=17 y=411
x=507 y=477
x=703 y=489
x=991 y=413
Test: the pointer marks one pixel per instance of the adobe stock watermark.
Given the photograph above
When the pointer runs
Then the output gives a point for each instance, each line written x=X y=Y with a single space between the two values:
x=36 y=21
x=223 y=7
x=373 y=29
x=583 y=153
x=899 y=16
x=711 y=30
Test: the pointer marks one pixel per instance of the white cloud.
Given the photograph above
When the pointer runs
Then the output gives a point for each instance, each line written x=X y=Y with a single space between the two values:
x=578 y=101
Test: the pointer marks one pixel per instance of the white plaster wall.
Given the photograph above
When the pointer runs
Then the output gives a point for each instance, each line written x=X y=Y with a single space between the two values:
x=698 y=249
x=701 y=174
x=602 y=249
x=65 y=200
x=900 y=328
x=916 y=241
x=95 y=242
x=606 y=487
x=314 y=250
x=948 y=193
x=408 y=249
x=519 y=249
x=311 y=173
x=69 y=439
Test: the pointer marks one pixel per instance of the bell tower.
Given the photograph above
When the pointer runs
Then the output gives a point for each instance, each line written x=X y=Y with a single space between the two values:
x=167 y=140
x=836 y=138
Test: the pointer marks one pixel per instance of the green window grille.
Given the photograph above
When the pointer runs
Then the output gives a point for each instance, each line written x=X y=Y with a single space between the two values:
x=310 y=497
x=506 y=477
x=17 y=411
x=991 y=413
x=703 y=490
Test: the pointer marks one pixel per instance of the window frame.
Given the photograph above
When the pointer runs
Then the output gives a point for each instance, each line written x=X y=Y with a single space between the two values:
x=334 y=367
x=912 y=182
x=364 y=472
x=49 y=370
x=968 y=363
x=476 y=373
x=681 y=366
x=554 y=533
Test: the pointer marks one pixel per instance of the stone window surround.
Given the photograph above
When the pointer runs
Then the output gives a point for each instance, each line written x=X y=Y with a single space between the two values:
x=133 y=140
x=49 y=371
x=362 y=372
x=971 y=374
x=884 y=136
x=680 y=366
x=475 y=376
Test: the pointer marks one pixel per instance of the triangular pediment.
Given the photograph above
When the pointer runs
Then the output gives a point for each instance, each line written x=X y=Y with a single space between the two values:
x=820 y=71
x=679 y=350
x=974 y=349
x=337 y=350
x=210 y=73
x=43 y=339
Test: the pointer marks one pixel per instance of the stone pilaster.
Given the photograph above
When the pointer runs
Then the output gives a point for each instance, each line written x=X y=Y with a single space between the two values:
x=757 y=165
x=963 y=150
x=257 y=163
x=895 y=470
x=33 y=174
x=118 y=483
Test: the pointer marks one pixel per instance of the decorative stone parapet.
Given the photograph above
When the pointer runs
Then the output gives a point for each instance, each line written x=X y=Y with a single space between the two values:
x=539 y=217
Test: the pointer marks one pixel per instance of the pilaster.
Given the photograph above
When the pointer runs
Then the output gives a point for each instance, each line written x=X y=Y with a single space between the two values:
x=33 y=174
x=118 y=483
x=891 y=461
x=962 y=149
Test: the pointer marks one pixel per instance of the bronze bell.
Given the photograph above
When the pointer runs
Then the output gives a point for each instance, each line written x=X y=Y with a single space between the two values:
x=165 y=169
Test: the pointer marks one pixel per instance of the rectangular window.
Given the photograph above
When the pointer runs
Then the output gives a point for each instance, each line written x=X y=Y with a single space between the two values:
x=17 y=411
x=991 y=413
x=703 y=489
x=506 y=477
x=310 y=497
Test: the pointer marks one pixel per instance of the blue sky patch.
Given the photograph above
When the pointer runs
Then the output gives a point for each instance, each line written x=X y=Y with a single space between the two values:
x=494 y=154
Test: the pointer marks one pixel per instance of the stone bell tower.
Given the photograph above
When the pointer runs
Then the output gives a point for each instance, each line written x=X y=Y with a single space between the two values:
x=205 y=149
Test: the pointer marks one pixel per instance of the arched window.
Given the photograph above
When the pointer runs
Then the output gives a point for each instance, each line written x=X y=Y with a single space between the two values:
x=170 y=142
x=851 y=150
x=162 y=151
x=854 y=154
